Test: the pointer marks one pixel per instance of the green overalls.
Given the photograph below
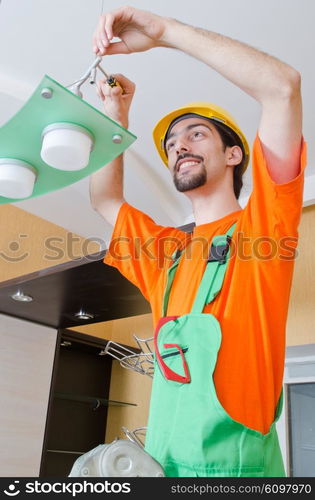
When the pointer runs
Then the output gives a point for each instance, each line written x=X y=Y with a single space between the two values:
x=189 y=432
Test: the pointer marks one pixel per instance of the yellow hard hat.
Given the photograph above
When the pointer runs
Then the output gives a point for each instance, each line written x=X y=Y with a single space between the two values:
x=205 y=109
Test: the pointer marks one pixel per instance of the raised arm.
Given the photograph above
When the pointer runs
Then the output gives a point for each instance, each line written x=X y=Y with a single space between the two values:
x=106 y=185
x=274 y=84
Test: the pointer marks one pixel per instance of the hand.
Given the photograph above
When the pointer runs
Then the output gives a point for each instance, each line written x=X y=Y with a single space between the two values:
x=138 y=31
x=117 y=100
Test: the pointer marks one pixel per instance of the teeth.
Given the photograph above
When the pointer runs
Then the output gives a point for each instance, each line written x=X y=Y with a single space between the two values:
x=189 y=164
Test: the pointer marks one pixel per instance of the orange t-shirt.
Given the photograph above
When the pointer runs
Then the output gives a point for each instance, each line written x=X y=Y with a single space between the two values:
x=253 y=303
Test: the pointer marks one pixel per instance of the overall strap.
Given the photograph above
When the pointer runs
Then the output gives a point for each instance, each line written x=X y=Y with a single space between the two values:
x=169 y=281
x=212 y=280
x=216 y=266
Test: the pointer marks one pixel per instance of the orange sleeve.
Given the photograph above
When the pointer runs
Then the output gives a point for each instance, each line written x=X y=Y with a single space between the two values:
x=140 y=248
x=275 y=209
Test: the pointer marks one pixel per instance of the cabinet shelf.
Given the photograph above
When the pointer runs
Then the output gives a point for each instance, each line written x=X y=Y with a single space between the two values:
x=66 y=452
x=97 y=402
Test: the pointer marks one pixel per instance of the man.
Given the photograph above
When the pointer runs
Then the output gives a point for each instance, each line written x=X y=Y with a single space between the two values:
x=219 y=321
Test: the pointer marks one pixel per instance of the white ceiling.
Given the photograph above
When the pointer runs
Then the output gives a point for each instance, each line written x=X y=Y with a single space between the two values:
x=40 y=37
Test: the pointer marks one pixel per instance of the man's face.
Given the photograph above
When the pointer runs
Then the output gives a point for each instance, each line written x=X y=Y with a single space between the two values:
x=195 y=153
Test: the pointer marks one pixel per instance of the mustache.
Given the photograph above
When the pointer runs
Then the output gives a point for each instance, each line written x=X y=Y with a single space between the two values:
x=186 y=155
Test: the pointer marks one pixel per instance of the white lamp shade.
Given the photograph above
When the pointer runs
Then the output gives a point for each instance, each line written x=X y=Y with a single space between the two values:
x=121 y=458
x=66 y=146
x=17 y=178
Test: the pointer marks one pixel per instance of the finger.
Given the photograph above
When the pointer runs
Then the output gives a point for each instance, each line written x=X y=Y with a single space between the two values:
x=114 y=20
x=116 y=91
x=108 y=26
x=96 y=43
x=112 y=49
x=117 y=48
x=105 y=39
x=100 y=39
x=110 y=92
x=127 y=85
x=99 y=86
x=100 y=93
x=95 y=48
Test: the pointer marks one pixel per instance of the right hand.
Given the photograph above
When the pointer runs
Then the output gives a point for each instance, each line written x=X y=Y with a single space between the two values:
x=117 y=100
x=138 y=30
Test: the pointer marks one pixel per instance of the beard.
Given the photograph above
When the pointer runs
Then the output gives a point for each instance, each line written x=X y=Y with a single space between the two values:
x=191 y=180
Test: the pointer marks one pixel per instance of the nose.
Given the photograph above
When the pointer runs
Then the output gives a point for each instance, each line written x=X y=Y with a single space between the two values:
x=181 y=146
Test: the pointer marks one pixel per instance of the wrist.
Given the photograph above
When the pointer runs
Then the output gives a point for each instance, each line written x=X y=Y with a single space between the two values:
x=120 y=121
x=119 y=118
x=123 y=121
x=172 y=33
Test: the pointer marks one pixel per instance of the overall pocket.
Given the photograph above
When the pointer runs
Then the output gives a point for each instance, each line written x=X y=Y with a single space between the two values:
x=173 y=364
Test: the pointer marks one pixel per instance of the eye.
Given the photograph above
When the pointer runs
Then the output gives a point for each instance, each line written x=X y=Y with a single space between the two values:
x=170 y=146
x=197 y=134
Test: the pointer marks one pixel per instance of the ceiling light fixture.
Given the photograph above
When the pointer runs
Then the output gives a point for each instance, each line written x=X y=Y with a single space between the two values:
x=19 y=296
x=56 y=139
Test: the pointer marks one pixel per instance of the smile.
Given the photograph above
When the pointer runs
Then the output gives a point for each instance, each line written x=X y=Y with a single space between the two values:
x=185 y=165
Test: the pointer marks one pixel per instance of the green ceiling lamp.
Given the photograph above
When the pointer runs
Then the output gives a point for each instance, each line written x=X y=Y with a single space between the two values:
x=56 y=139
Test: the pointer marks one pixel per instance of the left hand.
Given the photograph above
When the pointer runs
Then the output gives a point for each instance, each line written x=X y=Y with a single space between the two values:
x=117 y=100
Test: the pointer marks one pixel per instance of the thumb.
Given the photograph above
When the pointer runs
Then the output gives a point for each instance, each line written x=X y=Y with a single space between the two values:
x=127 y=85
x=116 y=91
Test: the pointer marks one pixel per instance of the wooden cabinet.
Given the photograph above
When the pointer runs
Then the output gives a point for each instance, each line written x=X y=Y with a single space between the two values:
x=78 y=403
x=60 y=292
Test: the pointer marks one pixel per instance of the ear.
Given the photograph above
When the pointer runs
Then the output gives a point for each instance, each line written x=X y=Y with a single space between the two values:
x=234 y=155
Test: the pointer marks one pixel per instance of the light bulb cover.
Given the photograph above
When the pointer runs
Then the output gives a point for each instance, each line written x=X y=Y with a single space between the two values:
x=17 y=178
x=66 y=146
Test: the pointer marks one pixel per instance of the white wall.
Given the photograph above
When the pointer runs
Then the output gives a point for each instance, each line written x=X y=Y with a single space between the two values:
x=26 y=361
x=299 y=368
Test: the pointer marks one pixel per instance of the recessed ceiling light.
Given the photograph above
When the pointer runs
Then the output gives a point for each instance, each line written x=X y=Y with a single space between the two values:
x=84 y=315
x=65 y=343
x=21 y=297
